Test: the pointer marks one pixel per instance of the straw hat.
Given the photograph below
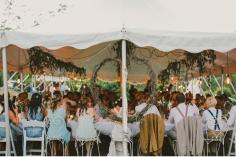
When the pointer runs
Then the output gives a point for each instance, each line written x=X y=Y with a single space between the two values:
x=211 y=101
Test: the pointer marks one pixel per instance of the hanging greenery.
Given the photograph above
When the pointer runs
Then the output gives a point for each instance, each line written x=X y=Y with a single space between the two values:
x=40 y=60
x=130 y=55
x=192 y=61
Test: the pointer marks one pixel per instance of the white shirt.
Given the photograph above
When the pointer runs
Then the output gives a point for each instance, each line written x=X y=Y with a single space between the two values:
x=232 y=118
x=153 y=109
x=209 y=121
x=196 y=110
x=175 y=116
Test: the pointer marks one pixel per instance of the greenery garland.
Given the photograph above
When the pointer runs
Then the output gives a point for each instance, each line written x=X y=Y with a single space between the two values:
x=130 y=55
x=40 y=60
x=190 y=62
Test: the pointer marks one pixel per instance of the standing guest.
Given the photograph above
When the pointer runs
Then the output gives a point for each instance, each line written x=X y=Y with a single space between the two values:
x=178 y=113
x=57 y=119
x=36 y=112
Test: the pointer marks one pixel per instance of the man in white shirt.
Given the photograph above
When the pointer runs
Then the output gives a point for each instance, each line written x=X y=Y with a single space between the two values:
x=232 y=118
x=178 y=113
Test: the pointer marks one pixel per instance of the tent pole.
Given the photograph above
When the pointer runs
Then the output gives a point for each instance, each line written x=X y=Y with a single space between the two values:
x=208 y=86
x=218 y=84
x=222 y=84
x=124 y=98
x=12 y=76
x=6 y=105
x=21 y=82
x=232 y=86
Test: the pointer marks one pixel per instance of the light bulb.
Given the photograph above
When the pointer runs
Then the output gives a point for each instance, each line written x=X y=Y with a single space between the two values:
x=18 y=81
x=200 y=82
x=228 y=80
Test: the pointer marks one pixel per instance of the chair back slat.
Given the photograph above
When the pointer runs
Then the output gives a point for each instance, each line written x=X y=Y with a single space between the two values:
x=3 y=125
x=33 y=123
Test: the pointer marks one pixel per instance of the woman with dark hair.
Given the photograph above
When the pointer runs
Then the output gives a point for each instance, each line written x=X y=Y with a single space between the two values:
x=85 y=126
x=35 y=112
x=2 y=117
x=15 y=123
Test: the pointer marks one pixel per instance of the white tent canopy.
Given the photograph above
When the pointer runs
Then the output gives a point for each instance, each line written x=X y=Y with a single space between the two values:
x=164 y=24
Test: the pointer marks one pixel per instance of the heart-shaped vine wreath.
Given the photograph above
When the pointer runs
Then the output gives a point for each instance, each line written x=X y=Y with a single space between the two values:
x=117 y=60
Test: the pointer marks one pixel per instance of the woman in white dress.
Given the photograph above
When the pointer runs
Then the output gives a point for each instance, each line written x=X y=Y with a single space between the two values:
x=85 y=130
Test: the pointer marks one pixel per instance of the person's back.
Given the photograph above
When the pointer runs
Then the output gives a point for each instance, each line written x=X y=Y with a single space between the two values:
x=178 y=113
x=57 y=125
x=210 y=116
x=35 y=113
x=232 y=118
x=57 y=122
x=38 y=116
x=2 y=119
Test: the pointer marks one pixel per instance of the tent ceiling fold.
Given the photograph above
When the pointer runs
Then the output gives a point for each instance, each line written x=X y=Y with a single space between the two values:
x=164 y=24
x=90 y=57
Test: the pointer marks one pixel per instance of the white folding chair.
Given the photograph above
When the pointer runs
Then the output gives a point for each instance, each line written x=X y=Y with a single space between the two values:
x=117 y=137
x=83 y=120
x=33 y=124
x=233 y=141
x=218 y=139
x=53 y=139
x=4 y=140
x=50 y=142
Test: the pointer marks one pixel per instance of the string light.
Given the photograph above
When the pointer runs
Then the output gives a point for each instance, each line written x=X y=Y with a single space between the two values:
x=200 y=81
x=18 y=81
x=227 y=80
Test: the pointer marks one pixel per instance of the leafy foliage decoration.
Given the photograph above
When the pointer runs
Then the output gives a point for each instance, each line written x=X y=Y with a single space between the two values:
x=130 y=55
x=40 y=60
x=192 y=61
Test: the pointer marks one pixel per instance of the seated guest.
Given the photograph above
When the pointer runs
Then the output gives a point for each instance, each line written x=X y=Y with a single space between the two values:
x=15 y=121
x=35 y=112
x=86 y=128
x=22 y=103
x=143 y=101
x=232 y=118
x=191 y=101
x=2 y=117
x=117 y=108
x=212 y=117
x=231 y=124
x=178 y=113
x=57 y=119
